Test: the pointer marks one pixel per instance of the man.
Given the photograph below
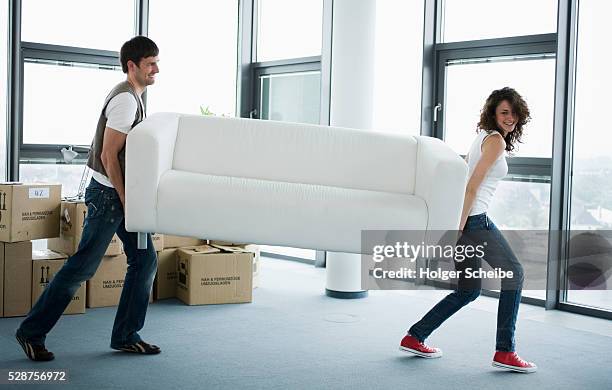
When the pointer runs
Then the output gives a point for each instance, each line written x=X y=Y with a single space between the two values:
x=105 y=199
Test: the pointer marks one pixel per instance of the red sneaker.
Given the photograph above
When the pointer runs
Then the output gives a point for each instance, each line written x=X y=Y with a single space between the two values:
x=412 y=345
x=512 y=361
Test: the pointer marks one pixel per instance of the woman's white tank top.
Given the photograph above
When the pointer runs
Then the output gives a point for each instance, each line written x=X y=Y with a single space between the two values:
x=498 y=171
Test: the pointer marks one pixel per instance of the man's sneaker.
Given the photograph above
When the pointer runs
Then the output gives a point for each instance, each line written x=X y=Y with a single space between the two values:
x=412 y=345
x=140 y=347
x=512 y=361
x=35 y=352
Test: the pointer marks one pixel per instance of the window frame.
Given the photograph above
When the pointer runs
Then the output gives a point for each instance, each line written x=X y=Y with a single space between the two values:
x=435 y=55
x=530 y=45
x=292 y=66
x=23 y=51
x=30 y=51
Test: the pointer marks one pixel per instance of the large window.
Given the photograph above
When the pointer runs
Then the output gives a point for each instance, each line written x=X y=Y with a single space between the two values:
x=469 y=82
x=65 y=77
x=488 y=45
x=398 y=64
x=288 y=72
x=197 y=43
x=3 y=84
x=466 y=20
x=289 y=29
x=80 y=23
x=68 y=175
x=62 y=111
x=591 y=185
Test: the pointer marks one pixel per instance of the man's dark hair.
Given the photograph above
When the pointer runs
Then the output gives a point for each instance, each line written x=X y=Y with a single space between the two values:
x=135 y=50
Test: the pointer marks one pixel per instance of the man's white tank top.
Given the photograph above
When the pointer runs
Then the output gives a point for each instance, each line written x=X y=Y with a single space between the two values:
x=498 y=171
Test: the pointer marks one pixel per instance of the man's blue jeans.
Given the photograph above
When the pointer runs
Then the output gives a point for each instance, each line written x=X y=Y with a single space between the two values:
x=104 y=219
x=499 y=255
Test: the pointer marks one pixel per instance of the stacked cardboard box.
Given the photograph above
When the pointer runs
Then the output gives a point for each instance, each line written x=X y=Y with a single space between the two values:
x=72 y=221
x=166 y=279
x=181 y=242
x=45 y=264
x=214 y=275
x=27 y=212
x=247 y=247
x=16 y=273
x=104 y=288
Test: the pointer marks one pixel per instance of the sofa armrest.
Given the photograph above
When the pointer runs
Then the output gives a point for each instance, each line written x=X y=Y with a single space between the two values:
x=149 y=154
x=441 y=177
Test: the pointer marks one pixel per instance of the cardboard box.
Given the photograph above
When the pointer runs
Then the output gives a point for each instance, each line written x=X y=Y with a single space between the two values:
x=209 y=275
x=16 y=260
x=158 y=242
x=72 y=220
x=248 y=248
x=104 y=288
x=45 y=264
x=179 y=241
x=29 y=211
x=2 y=285
x=165 y=280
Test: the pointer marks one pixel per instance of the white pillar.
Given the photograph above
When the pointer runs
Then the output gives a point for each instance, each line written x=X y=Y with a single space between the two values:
x=351 y=105
x=352 y=64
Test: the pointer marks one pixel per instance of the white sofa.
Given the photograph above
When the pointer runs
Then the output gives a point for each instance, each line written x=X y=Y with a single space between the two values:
x=286 y=184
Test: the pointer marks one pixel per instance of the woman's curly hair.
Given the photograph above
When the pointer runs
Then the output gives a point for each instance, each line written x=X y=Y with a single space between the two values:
x=519 y=107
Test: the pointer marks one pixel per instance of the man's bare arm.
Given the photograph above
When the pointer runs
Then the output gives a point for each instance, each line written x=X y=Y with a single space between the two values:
x=113 y=142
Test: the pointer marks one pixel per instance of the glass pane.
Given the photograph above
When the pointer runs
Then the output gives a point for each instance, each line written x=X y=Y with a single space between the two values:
x=68 y=175
x=289 y=29
x=525 y=205
x=469 y=84
x=591 y=196
x=57 y=109
x=521 y=205
x=482 y=19
x=291 y=97
x=3 y=84
x=81 y=23
x=398 y=65
x=198 y=51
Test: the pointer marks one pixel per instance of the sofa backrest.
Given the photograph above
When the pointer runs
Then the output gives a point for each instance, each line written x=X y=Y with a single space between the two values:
x=297 y=153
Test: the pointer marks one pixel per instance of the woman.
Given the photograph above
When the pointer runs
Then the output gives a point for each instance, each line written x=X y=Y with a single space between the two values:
x=500 y=128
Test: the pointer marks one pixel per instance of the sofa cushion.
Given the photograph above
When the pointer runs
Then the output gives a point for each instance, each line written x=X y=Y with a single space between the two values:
x=296 y=153
x=280 y=213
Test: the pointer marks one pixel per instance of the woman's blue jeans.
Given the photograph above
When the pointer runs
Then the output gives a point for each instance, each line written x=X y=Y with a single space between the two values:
x=499 y=255
x=104 y=218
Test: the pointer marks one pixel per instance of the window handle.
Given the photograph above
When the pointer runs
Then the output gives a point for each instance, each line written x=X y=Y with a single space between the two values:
x=436 y=109
x=253 y=114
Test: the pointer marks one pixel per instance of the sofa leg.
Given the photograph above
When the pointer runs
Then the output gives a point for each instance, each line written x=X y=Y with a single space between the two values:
x=343 y=274
x=142 y=241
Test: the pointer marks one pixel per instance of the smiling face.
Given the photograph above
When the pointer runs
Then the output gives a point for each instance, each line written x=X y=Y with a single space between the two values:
x=505 y=117
x=146 y=70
